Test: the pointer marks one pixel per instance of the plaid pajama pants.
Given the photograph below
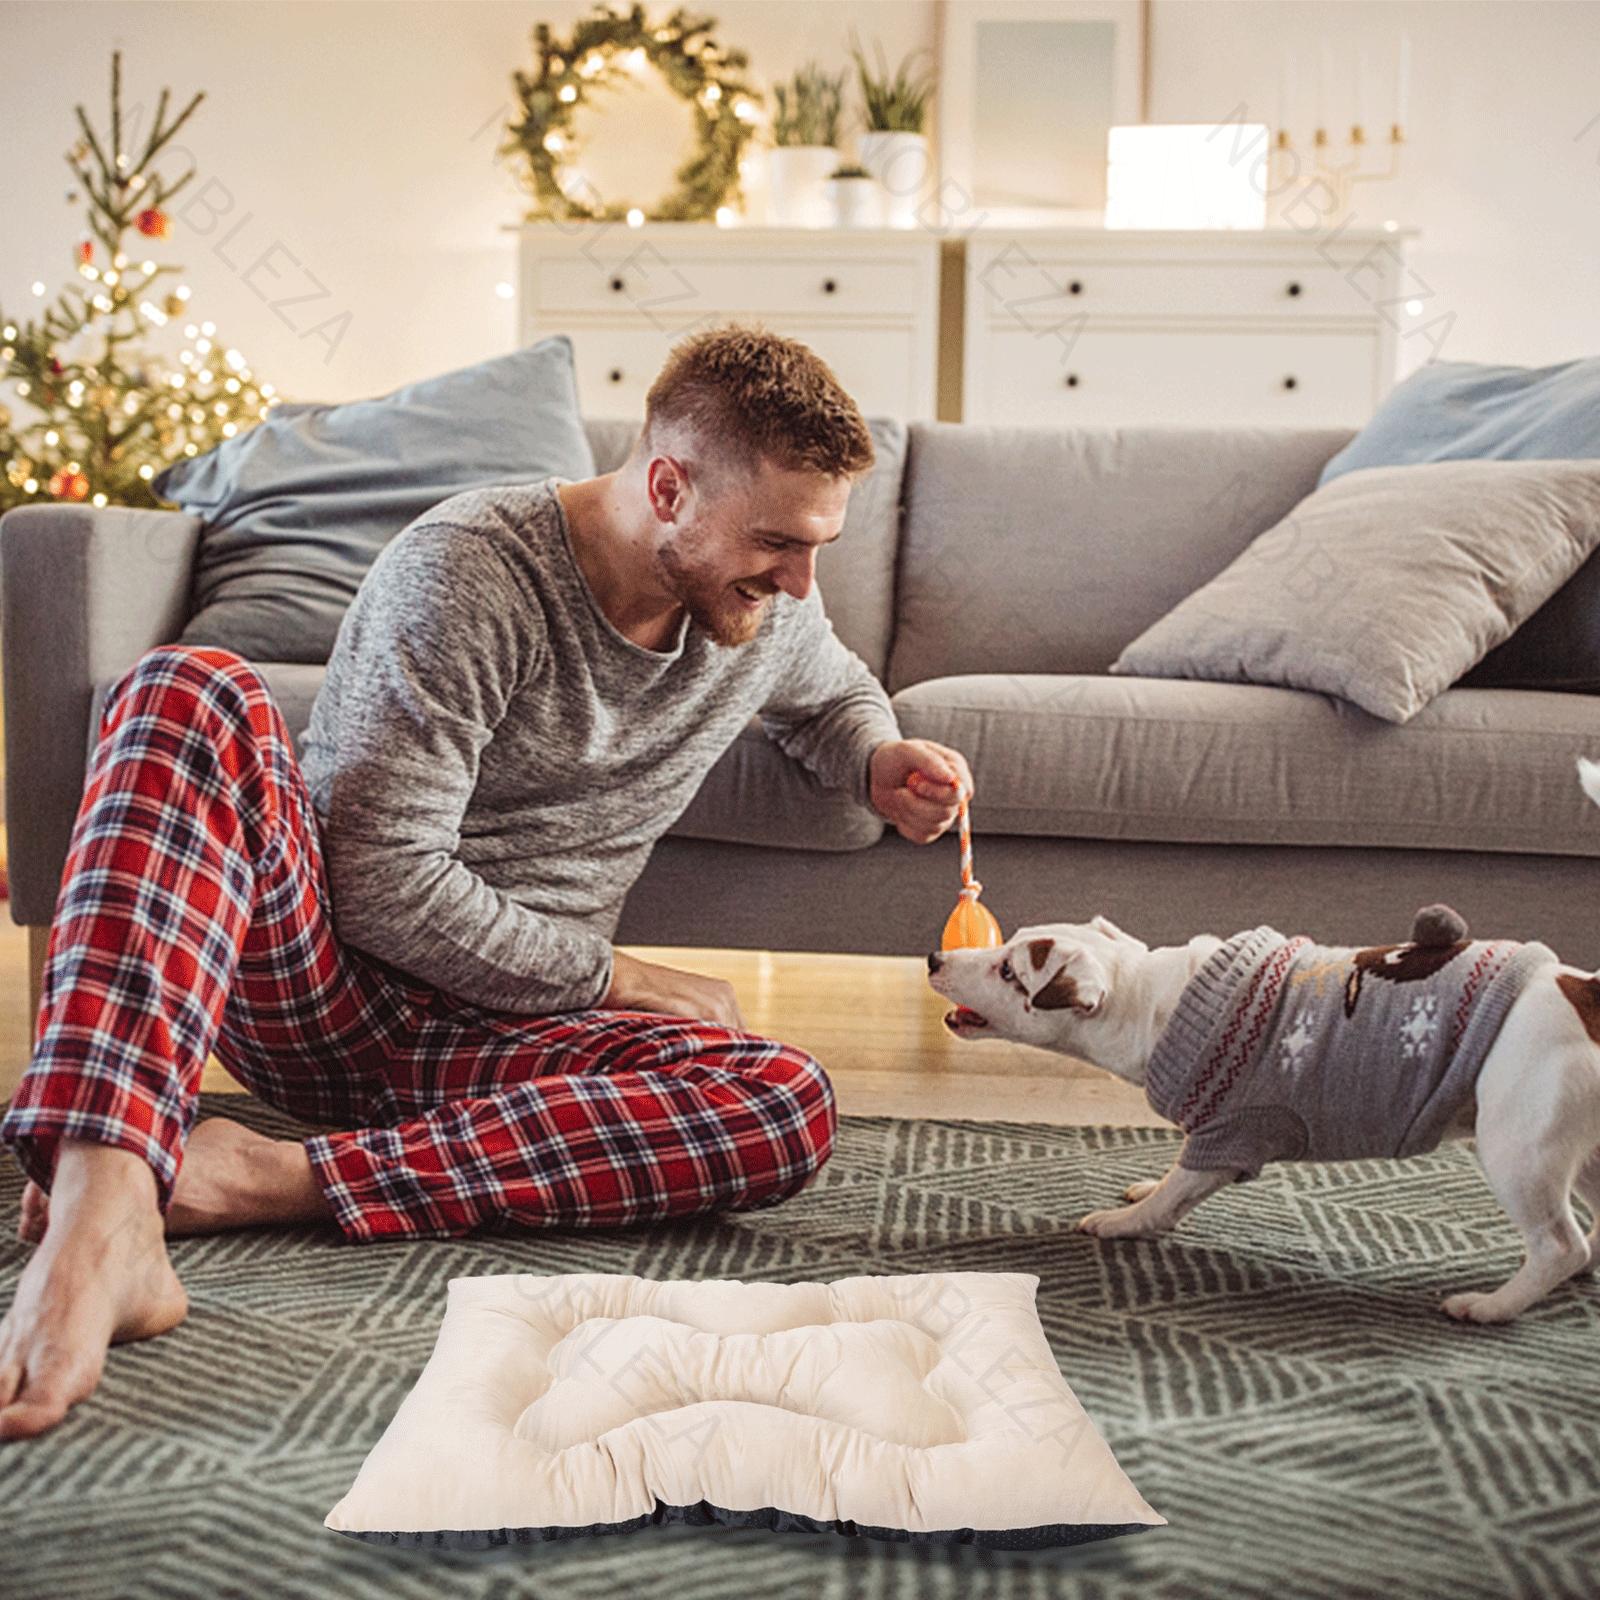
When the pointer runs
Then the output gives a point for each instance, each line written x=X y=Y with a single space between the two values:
x=194 y=917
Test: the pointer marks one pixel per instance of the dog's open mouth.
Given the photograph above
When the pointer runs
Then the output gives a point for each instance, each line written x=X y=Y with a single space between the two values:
x=965 y=1015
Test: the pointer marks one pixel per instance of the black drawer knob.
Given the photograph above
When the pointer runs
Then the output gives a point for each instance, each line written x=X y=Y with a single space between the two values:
x=617 y=285
x=830 y=285
x=1293 y=289
x=1291 y=382
x=1075 y=287
x=615 y=374
x=1072 y=380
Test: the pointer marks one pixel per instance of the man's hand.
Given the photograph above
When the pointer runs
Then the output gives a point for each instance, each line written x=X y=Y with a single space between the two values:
x=917 y=785
x=643 y=986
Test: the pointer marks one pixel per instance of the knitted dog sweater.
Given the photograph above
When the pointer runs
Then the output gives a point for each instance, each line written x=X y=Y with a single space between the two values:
x=1281 y=1049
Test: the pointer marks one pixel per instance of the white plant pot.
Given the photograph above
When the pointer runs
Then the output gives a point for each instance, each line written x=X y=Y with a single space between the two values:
x=899 y=161
x=855 y=202
x=797 y=180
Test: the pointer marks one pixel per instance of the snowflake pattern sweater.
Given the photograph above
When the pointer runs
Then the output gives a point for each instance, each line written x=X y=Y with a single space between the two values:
x=1281 y=1049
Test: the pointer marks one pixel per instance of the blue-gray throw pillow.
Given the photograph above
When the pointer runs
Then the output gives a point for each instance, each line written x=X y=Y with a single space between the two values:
x=297 y=508
x=1465 y=411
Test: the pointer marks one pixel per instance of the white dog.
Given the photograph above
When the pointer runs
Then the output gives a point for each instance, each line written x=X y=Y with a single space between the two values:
x=1265 y=1048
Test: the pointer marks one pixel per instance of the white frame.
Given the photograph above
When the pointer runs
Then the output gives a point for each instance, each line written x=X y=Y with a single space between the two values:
x=958 y=33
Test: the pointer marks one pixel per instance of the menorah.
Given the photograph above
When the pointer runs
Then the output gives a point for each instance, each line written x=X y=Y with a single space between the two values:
x=1340 y=176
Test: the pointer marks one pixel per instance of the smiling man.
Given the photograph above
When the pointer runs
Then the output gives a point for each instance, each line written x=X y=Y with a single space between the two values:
x=405 y=937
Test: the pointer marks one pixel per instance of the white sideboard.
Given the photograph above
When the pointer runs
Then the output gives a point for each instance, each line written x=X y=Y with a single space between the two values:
x=867 y=301
x=1110 y=328
x=1087 y=325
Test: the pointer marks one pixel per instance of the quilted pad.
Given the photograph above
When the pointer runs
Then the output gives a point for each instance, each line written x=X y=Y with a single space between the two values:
x=923 y=1407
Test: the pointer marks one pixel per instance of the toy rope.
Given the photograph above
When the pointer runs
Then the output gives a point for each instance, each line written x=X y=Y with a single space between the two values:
x=970 y=887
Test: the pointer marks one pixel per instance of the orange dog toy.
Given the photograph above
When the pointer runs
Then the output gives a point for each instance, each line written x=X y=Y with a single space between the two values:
x=971 y=925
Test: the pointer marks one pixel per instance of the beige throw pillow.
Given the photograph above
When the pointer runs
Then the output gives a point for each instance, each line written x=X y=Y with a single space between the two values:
x=1387 y=585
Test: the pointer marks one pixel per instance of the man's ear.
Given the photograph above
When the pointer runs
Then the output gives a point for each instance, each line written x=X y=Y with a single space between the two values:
x=1078 y=984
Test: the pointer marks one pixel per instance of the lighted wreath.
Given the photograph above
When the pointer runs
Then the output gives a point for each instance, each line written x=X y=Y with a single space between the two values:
x=602 y=48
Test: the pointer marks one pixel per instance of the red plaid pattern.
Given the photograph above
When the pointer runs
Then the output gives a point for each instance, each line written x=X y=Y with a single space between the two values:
x=194 y=916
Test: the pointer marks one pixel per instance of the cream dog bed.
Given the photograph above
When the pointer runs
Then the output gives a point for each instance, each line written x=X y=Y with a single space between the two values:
x=924 y=1407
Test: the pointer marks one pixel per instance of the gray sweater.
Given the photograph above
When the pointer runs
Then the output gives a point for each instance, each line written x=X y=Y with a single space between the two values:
x=491 y=760
x=1281 y=1049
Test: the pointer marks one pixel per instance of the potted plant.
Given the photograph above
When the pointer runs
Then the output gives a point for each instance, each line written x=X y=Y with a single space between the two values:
x=805 y=134
x=855 y=197
x=893 y=148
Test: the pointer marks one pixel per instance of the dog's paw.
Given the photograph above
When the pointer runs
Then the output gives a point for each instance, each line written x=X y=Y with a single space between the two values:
x=1120 y=1223
x=1141 y=1190
x=1474 y=1306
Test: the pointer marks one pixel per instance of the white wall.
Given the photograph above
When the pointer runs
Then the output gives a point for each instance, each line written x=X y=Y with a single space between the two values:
x=350 y=145
x=1502 y=168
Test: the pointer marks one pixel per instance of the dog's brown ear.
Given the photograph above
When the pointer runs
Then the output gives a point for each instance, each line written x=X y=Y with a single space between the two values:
x=1060 y=994
x=1079 y=984
x=1039 y=952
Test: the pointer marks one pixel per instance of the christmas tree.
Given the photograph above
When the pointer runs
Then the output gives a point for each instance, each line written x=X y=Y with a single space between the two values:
x=109 y=411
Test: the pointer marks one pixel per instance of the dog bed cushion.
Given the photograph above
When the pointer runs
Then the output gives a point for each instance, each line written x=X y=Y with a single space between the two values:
x=924 y=1407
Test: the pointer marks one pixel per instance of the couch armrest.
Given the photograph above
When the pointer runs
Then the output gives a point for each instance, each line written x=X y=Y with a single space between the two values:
x=85 y=593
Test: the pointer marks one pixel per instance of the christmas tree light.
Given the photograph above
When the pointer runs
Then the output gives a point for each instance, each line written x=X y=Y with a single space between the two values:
x=109 y=411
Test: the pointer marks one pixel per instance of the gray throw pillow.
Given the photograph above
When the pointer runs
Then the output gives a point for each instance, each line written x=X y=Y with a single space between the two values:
x=1385 y=586
x=297 y=508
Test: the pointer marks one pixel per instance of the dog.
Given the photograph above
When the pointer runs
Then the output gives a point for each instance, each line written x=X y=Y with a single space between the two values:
x=1510 y=1033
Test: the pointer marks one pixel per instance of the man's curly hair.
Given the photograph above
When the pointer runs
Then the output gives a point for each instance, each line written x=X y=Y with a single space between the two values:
x=744 y=392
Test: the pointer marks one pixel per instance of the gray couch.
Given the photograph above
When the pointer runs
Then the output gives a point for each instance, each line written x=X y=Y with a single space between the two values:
x=988 y=575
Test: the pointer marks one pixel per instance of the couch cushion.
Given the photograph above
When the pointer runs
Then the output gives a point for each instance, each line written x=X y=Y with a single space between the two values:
x=1176 y=760
x=755 y=794
x=297 y=508
x=1046 y=550
x=1558 y=647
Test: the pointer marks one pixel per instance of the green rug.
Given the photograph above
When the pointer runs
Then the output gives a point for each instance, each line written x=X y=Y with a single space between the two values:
x=1276 y=1379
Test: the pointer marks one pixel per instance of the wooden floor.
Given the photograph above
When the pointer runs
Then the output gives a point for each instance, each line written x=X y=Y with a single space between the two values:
x=871 y=1020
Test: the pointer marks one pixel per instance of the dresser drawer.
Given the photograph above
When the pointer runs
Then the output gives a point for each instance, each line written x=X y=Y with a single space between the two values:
x=1113 y=379
x=1017 y=289
x=886 y=371
x=615 y=368
x=878 y=366
x=671 y=289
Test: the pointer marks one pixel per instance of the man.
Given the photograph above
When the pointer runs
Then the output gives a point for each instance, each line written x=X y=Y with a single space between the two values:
x=408 y=939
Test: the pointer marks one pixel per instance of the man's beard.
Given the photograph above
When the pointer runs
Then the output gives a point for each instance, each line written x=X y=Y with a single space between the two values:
x=712 y=605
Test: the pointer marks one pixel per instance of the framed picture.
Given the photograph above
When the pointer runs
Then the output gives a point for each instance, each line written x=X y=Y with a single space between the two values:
x=1027 y=92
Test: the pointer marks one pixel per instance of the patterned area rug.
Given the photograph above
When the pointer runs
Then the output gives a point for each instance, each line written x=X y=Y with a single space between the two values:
x=1276 y=1379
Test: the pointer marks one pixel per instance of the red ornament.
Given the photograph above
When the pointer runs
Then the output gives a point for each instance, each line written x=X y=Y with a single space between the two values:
x=55 y=366
x=86 y=252
x=153 y=223
x=66 y=485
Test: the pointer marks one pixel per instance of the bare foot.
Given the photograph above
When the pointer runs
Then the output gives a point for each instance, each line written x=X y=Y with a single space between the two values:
x=234 y=1177
x=99 y=1277
x=35 y=1214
